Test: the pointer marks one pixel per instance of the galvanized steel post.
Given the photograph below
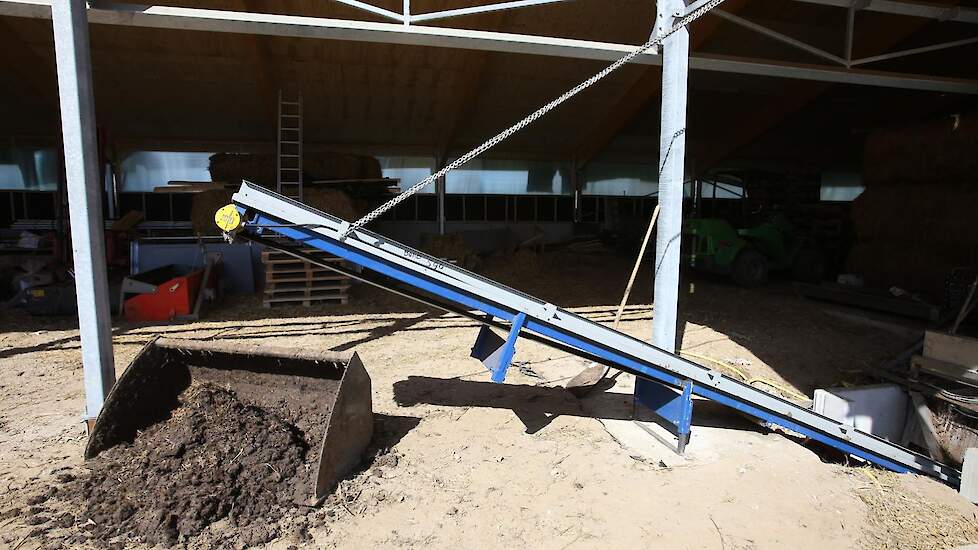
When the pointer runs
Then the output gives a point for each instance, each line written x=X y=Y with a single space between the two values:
x=672 y=157
x=74 y=66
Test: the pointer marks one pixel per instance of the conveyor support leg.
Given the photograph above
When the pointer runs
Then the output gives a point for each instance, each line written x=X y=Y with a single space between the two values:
x=675 y=409
x=494 y=352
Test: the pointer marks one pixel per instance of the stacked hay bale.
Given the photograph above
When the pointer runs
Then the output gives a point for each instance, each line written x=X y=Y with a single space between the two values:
x=202 y=209
x=335 y=202
x=323 y=165
x=232 y=168
x=332 y=201
x=451 y=247
x=915 y=221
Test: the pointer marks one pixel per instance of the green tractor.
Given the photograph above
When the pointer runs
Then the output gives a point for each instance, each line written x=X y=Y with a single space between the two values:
x=749 y=255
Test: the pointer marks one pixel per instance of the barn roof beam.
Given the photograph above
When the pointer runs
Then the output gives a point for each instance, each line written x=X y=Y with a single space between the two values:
x=373 y=9
x=195 y=19
x=941 y=12
x=914 y=51
x=771 y=33
x=480 y=9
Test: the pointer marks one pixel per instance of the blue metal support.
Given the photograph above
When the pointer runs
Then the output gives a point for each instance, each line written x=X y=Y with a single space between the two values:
x=494 y=352
x=499 y=373
x=674 y=408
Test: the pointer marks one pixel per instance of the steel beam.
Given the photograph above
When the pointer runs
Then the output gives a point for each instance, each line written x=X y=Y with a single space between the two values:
x=914 y=51
x=480 y=9
x=672 y=160
x=164 y=17
x=850 y=33
x=372 y=9
x=73 y=56
x=912 y=9
x=838 y=75
x=783 y=38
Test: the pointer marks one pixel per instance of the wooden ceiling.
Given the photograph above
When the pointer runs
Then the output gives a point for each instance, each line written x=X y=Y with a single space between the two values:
x=164 y=85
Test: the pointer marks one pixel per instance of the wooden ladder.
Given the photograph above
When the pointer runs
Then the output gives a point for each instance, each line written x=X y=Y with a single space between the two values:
x=289 y=169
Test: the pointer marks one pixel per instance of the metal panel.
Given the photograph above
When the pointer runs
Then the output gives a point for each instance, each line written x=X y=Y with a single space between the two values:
x=566 y=330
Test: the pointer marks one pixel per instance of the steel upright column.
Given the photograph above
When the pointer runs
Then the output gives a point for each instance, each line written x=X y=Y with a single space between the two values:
x=672 y=156
x=73 y=55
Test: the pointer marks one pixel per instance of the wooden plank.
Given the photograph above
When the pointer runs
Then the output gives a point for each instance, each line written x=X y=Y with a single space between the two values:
x=307 y=278
x=304 y=250
x=292 y=260
x=190 y=187
x=296 y=265
x=969 y=475
x=299 y=267
x=285 y=288
x=949 y=348
x=927 y=426
x=863 y=298
x=946 y=370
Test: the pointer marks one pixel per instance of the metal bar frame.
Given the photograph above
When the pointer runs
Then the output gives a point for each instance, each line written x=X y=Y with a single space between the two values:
x=478 y=9
x=74 y=68
x=456 y=289
x=406 y=18
x=165 y=17
x=372 y=9
x=771 y=33
x=913 y=51
x=850 y=33
x=911 y=9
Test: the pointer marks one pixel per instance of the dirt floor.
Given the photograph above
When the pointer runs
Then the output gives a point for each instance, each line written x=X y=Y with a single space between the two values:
x=460 y=462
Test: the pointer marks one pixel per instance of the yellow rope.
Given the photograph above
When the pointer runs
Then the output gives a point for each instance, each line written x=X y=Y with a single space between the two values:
x=866 y=472
x=785 y=390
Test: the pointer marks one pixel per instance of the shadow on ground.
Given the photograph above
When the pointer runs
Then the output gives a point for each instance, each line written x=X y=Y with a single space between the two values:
x=794 y=336
x=538 y=406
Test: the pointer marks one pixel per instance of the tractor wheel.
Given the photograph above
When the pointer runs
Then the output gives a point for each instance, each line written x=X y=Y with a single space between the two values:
x=749 y=268
x=809 y=266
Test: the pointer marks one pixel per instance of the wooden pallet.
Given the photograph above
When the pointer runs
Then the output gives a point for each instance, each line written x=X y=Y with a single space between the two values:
x=269 y=254
x=275 y=277
x=291 y=280
x=306 y=298
x=306 y=286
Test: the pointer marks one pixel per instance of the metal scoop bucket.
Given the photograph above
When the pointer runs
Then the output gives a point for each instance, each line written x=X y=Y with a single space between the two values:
x=326 y=395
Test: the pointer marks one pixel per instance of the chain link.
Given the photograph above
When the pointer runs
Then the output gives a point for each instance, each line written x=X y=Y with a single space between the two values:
x=653 y=41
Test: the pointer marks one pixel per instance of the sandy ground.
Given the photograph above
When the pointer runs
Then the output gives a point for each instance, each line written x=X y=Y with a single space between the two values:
x=525 y=464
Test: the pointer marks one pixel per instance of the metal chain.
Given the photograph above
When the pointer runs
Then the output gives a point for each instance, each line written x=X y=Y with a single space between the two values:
x=675 y=136
x=653 y=41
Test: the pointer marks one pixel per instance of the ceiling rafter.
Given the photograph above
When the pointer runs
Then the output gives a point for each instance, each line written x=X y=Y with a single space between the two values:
x=637 y=96
x=795 y=95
